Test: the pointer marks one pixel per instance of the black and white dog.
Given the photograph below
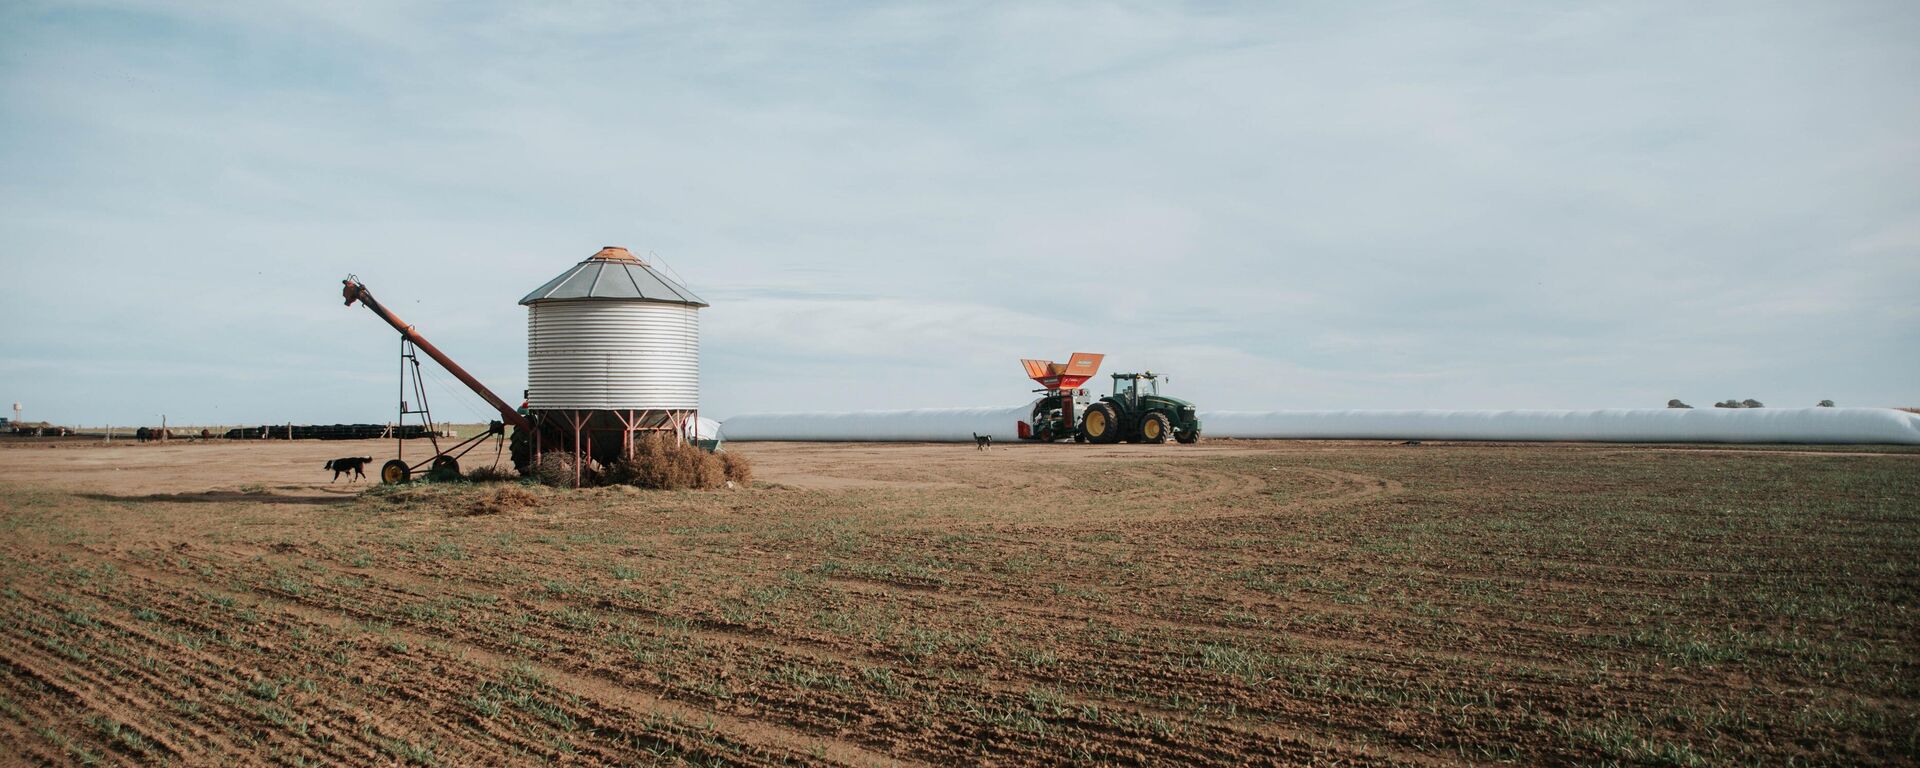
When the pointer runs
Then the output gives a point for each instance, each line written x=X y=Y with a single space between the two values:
x=982 y=442
x=354 y=464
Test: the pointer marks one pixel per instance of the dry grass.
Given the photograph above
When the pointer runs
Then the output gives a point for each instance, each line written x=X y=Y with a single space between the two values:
x=493 y=474
x=510 y=498
x=738 y=468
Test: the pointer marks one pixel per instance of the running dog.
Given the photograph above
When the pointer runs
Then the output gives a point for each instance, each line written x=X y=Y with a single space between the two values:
x=982 y=442
x=354 y=464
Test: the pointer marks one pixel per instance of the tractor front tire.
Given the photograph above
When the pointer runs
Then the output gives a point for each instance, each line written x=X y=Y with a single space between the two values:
x=1188 y=437
x=1100 y=424
x=1154 y=428
x=395 y=472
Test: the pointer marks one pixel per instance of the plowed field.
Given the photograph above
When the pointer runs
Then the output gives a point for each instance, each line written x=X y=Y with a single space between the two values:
x=1230 y=603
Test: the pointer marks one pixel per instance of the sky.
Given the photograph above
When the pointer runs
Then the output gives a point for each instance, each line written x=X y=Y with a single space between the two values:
x=1304 y=205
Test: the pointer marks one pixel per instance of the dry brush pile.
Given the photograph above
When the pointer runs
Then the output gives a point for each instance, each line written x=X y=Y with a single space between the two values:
x=664 y=463
x=659 y=462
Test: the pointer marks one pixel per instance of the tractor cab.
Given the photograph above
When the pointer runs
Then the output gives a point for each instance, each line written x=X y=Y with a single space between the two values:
x=1133 y=385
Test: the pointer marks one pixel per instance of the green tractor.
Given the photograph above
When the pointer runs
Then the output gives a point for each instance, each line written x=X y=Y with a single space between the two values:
x=1136 y=412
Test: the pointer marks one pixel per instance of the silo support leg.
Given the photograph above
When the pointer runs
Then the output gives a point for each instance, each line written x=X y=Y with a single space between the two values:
x=628 y=423
x=579 y=426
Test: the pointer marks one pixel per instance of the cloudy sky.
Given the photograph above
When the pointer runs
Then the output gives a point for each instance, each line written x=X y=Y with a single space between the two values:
x=1283 y=205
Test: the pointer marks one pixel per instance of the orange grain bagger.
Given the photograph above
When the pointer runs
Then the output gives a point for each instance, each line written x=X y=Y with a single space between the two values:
x=1053 y=417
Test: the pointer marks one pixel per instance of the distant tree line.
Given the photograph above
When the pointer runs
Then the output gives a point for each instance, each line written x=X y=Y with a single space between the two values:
x=1731 y=403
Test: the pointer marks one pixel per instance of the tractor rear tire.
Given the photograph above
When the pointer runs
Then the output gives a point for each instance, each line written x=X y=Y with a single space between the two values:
x=1100 y=424
x=520 y=446
x=1154 y=428
x=395 y=472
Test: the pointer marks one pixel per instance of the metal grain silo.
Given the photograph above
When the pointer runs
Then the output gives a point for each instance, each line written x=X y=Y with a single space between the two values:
x=613 y=349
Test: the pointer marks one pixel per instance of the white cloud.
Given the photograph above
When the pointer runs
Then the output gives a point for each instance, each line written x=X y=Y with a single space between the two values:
x=1285 y=207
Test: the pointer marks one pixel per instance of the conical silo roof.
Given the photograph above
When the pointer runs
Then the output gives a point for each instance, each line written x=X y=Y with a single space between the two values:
x=613 y=274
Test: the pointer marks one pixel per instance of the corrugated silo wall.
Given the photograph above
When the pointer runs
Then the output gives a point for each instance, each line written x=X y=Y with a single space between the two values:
x=606 y=355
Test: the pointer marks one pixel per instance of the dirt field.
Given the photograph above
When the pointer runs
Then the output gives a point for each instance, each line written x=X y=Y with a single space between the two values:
x=1230 y=603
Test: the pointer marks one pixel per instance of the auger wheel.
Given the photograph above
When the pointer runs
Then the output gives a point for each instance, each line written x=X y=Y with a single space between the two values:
x=395 y=472
x=444 y=468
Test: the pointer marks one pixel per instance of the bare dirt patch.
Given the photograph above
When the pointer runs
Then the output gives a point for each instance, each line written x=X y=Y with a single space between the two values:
x=1230 y=603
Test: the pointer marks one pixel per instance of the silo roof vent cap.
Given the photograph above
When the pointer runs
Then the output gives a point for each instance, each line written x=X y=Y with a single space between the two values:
x=616 y=253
